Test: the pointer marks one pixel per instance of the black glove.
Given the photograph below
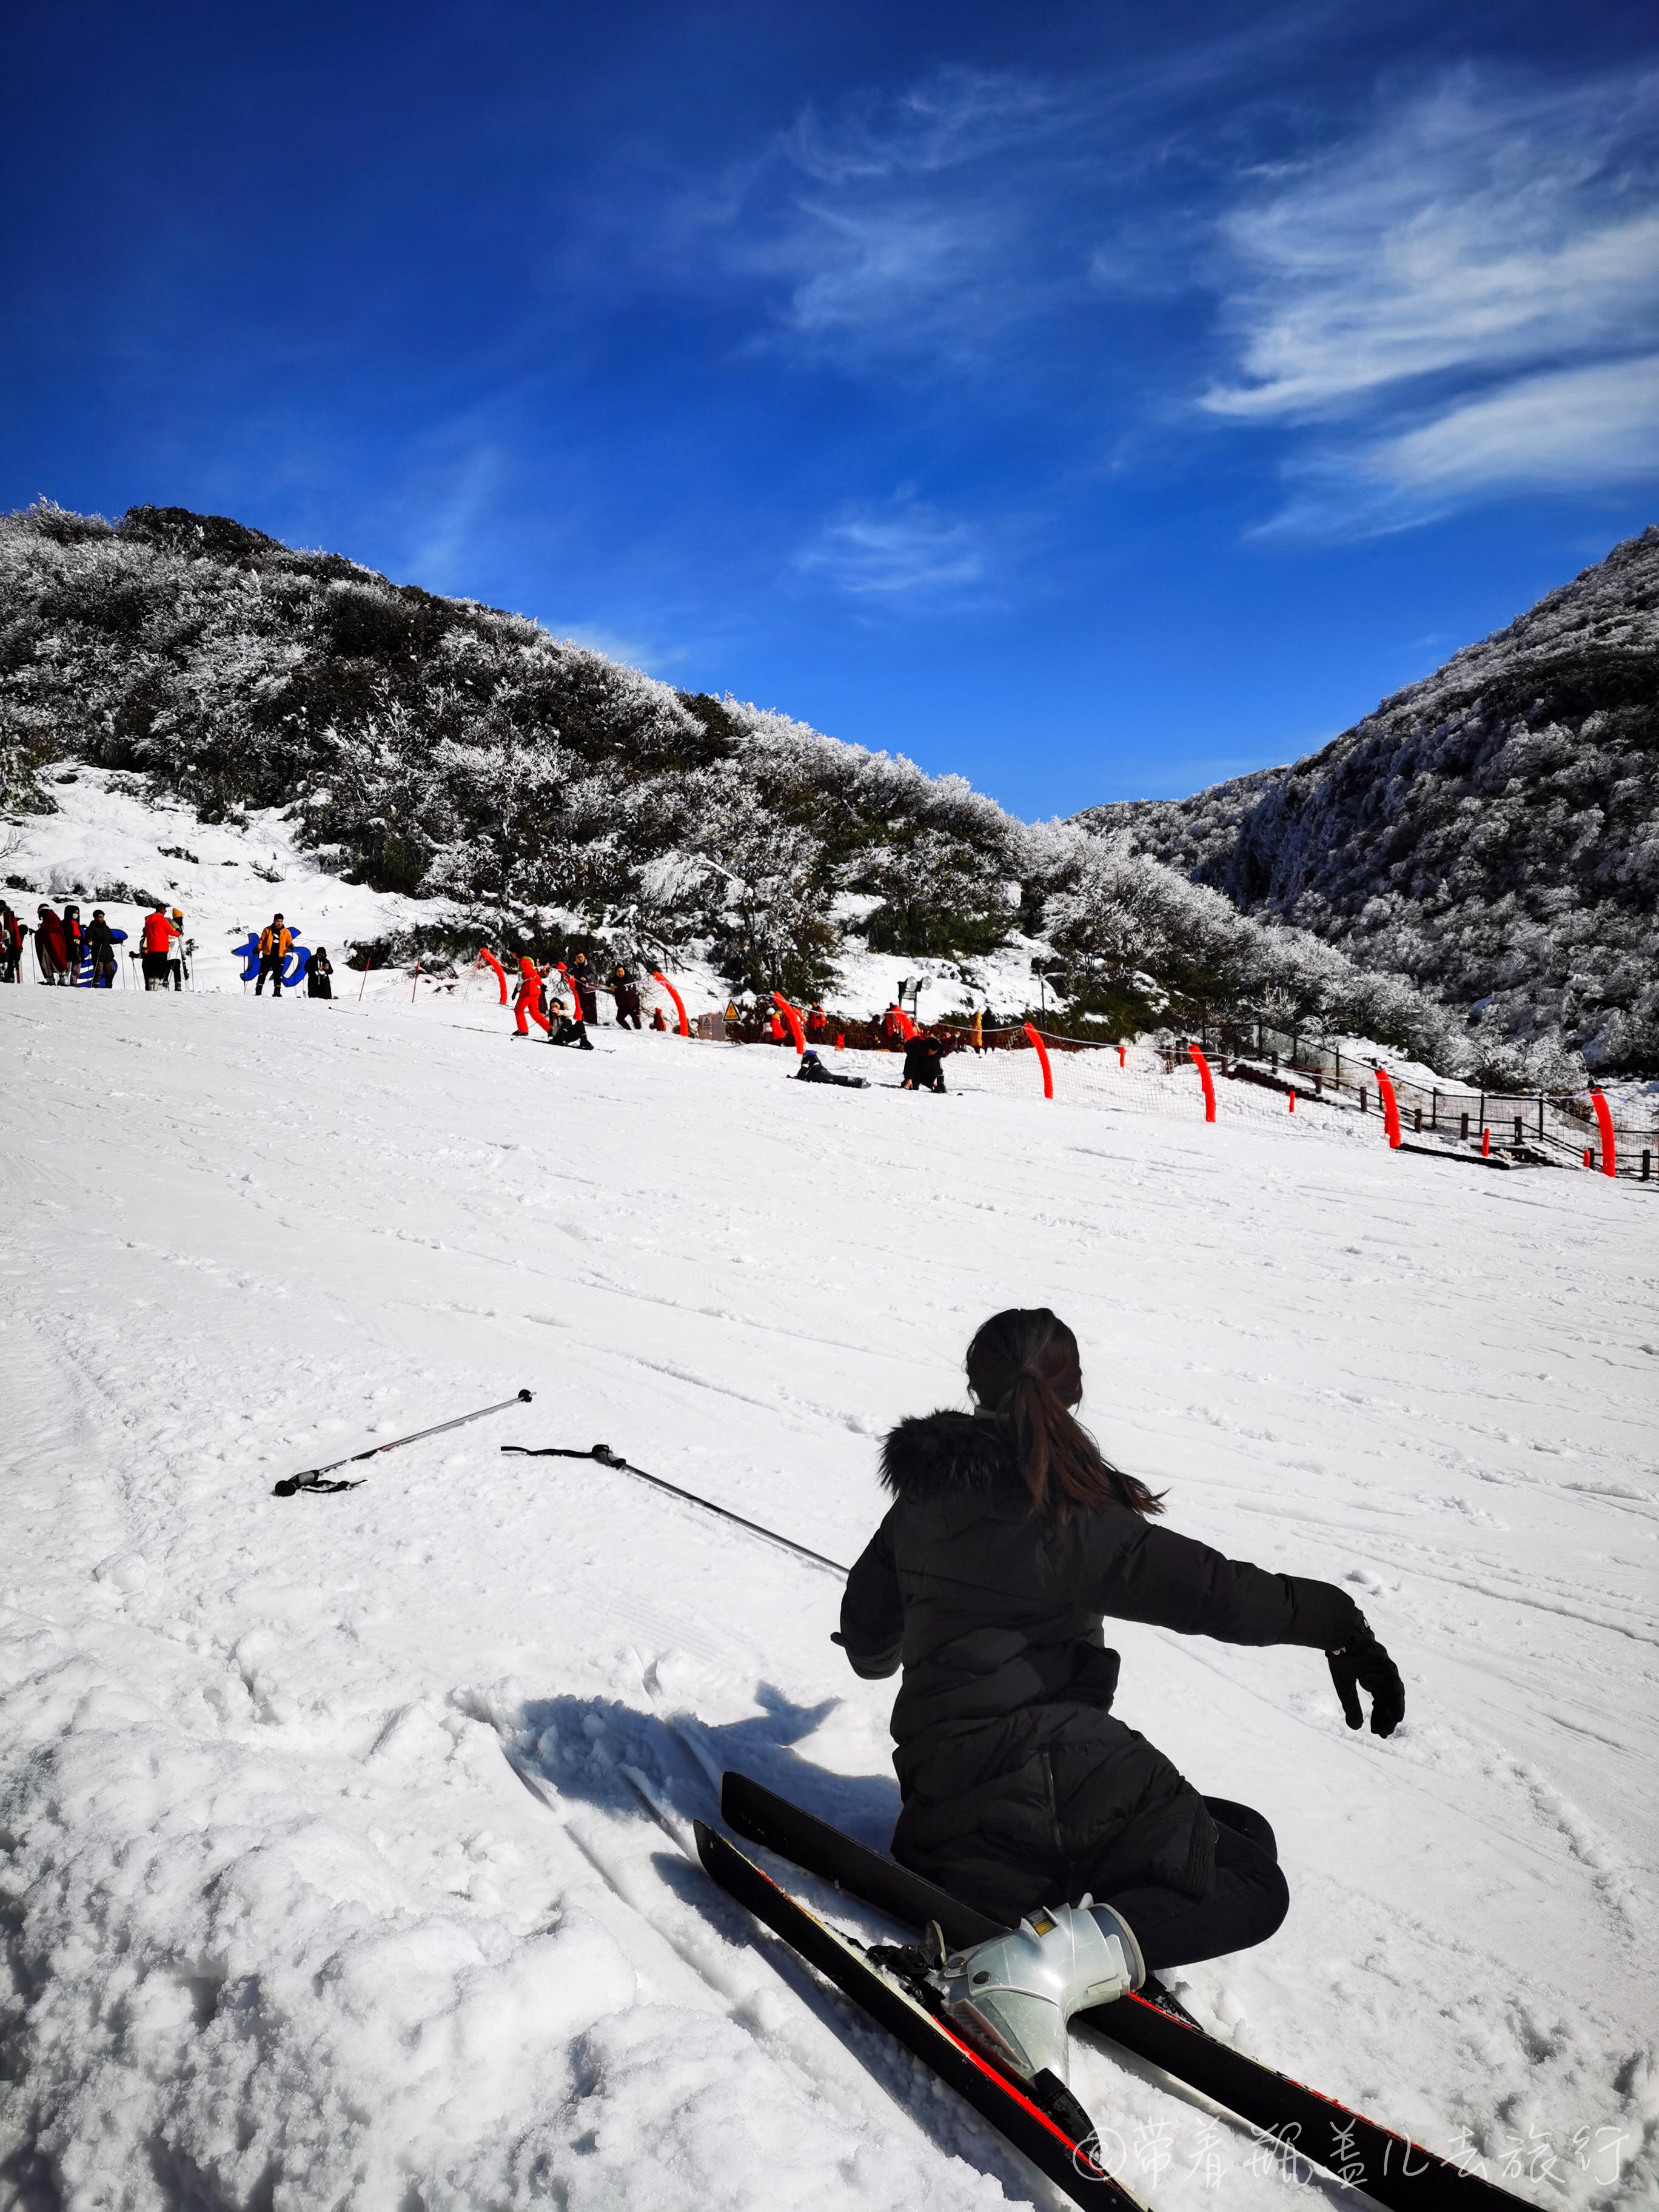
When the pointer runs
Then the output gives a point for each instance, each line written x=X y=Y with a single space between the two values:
x=1362 y=1664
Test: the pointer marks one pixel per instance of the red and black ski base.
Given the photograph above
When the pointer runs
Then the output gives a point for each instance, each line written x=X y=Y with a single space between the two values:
x=1055 y=2139
x=1388 y=2167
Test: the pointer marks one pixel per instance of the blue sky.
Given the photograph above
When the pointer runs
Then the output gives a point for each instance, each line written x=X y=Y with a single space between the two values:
x=1094 y=399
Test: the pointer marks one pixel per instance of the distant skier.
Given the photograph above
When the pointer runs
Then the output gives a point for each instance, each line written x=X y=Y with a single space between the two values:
x=658 y=1021
x=816 y=1027
x=1009 y=1538
x=893 y=1026
x=587 y=990
x=626 y=991
x=320 y=970
x=50 y=949
x=12 y=935
x=813 y=1070
x=75 y=944
x=176 y=969
x=100 y=944
x=529 y=1002
x=568 y=1032
x=924 y=1065
x=276 y=943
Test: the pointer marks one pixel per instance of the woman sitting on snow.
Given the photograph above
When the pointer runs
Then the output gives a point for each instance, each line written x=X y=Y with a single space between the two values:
x=1010 y=1537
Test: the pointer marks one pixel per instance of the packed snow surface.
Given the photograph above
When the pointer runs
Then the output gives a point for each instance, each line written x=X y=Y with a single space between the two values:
x=328 y=1877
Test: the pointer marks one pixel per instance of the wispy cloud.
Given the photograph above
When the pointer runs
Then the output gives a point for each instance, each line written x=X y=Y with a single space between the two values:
x=1577 y=426
x=1454 y=292
x=908 y=226
x=937 y=225
x=904 y=552
x=1463 y=297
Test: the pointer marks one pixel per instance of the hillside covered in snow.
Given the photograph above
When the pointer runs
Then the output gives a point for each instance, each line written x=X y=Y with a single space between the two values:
x=1493 y=832
x=495 y=783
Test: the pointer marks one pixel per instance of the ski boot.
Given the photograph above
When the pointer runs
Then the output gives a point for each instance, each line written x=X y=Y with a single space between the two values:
x=1013 y=1995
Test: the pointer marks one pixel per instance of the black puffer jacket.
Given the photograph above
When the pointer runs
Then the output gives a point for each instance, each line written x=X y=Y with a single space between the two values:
x=1019 y=1787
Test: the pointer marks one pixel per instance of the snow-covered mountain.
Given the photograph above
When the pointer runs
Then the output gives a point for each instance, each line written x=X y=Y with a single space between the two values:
x=486 y=779
x=1493 y=832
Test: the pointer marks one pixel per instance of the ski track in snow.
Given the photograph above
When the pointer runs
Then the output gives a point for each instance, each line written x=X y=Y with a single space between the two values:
x=326 y=1879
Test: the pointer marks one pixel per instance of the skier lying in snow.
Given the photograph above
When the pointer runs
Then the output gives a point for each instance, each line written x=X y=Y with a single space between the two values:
x=1009 y=1536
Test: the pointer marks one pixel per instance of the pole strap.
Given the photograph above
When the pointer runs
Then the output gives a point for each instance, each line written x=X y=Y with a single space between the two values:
x=606 y=1457
x=312 y=1480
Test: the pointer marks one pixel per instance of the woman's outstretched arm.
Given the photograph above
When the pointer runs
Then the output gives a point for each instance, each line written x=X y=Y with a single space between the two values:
x=1173 y=1581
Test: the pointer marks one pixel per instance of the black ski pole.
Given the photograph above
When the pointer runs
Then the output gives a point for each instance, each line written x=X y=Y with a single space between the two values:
x=312 y=1478
x=606 y=1457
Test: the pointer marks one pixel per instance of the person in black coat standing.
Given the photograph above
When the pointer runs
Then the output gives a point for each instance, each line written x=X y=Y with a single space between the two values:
x=100 y=944
x=1008 y=1540
x=626 y=991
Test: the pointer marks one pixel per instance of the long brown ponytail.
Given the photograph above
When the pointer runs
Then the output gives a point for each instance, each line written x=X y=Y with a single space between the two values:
x=1023 y=1367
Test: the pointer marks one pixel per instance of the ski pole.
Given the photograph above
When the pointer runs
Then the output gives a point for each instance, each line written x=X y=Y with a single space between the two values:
x=311 y=1480
x=606 y=1457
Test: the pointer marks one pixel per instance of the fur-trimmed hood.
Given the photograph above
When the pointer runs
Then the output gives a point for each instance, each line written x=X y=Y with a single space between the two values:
x=947 y=1454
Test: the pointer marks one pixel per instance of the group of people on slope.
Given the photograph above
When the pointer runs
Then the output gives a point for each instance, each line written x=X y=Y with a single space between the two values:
x=64 y=946
x=565 y=1021
x=553 y=1016
x=275 y=943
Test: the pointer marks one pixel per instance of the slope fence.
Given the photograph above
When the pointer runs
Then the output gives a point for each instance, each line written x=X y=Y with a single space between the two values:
x=1531 y=1128
x=1136 y=1078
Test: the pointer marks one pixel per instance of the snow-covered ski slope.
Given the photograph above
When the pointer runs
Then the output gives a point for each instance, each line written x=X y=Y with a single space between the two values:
x=325 y=1883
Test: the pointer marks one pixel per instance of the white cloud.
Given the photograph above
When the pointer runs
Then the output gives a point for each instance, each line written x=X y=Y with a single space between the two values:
x=903 y=551
x=1467 y=297
x=909 y=226
x=1577 y=426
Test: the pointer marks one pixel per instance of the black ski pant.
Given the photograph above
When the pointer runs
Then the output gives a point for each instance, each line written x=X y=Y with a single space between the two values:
x=1250 y=1899
x=103 y=971
x=271 y=963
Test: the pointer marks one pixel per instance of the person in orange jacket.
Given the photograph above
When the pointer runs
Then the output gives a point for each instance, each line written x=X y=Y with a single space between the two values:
x=156 y=943
x=529 y=1000
x=276 y=943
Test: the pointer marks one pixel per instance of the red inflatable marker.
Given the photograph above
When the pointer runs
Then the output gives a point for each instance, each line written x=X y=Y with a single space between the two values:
x=1042 y=1054
x=657 y=976
x=1390 y=1109
x=484 y=953
x=1203 y=1067
x=1604 y=1123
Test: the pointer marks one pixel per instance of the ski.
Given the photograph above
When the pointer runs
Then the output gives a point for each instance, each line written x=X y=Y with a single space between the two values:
x=1042 y=2119
x=1388 y=2167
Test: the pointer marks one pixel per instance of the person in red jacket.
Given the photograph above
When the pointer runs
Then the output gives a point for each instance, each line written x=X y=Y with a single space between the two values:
x=529 y=1000
x=12 y=934
x=50 y=947
x=154 y=942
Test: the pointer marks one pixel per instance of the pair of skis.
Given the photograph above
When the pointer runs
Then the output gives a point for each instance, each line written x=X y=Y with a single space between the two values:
x=1041 y=2119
